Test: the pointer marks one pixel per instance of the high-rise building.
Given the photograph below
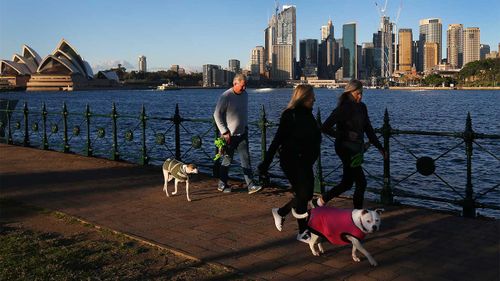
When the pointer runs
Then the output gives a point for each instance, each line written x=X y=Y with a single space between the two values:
x=405 y=41
x=234 y=66
x=309 y=57
x=455 y=45
x=430 y=31
x=349 y=58
x=257 y=61
x=416 y=54
x=327 y=52
x=484 y=49
x=209 y=75
x=386 y=47
x=142 y=64
x=283 y=63
x=327 y=30
x=281 y=32
x=174 y=67
x=431 y=55
x=472 y=37
x=368 y=60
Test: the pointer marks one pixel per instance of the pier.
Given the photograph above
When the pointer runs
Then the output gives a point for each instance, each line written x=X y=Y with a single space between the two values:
x=236 y=230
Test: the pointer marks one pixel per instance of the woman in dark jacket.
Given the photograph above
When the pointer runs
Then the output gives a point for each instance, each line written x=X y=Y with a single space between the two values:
x=352 y=122
x=298 y=138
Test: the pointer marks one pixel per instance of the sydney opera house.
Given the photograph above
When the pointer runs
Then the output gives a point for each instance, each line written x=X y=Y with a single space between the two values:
x=63 y=70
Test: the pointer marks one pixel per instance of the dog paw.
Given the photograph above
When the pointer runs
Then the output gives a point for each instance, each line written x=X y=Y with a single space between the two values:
x=321 y=250
x=316 y=254
x=373 y=262
x=356 y=259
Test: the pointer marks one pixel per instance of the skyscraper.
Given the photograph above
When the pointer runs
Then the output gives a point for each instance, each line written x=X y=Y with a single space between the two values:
x=349 y=58
x=431 y=55
x=308 y=53
x=368 y=60
x=405 y=39
x=257 y=61
x=281 y=32
x=430 y=31
x=327 y=30
x=484 y=49
x=234 y=65
x=472 y=37
x=455 y=45
x=386 y=47
x=142 y=64
x=327 y=52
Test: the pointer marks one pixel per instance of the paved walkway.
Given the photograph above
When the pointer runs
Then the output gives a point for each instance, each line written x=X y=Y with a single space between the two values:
x=237 y=229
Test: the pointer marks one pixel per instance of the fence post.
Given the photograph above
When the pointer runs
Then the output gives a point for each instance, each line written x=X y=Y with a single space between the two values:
x=216 y=167
x=9 y=136
x=318 y=181
x=469 y=206
x=144 y=158
x=263 y=142
x=87 y=119
x=114 y=116
x=45 y=141
x=65 y=131
x=177 y=123
x=26 y=141
x=386 y=195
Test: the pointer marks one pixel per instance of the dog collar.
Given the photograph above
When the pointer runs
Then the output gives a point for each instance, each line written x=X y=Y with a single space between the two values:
x=362 y=226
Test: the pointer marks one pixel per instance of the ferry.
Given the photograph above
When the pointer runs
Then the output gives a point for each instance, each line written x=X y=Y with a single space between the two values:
x=167 y=86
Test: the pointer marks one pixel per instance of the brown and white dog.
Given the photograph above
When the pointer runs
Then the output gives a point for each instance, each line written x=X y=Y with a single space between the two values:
x=341 y=227
x=173 y=169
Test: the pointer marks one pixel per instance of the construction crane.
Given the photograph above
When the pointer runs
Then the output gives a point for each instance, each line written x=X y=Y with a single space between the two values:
x=396 y=43
x=386 y=28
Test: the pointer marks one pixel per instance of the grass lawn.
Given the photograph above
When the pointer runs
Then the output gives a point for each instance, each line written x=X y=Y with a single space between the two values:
x=37 y=244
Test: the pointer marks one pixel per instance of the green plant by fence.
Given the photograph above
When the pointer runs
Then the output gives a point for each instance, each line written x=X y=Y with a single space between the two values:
x=91 y=129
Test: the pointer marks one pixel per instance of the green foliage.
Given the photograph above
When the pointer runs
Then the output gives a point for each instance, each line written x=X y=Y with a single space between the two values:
x=220 y=143
x=484 y=72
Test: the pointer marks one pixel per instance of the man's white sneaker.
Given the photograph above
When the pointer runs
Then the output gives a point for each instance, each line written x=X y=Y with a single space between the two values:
x=278 y=220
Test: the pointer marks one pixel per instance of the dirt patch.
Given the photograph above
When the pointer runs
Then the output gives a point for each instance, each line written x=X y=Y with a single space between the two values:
x=37 y=244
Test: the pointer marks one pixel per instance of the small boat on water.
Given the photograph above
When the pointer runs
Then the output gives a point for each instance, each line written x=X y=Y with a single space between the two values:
x=167 y=87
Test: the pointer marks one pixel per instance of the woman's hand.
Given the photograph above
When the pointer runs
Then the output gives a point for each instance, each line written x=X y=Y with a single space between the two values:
x=384 y=153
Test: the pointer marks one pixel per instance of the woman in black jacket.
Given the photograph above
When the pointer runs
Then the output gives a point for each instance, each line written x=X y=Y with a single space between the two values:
x=352 y=122
x=299 y=139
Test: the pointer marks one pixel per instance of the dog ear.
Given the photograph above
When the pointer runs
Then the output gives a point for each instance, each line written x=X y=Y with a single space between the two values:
x=379 y=211
x=364 y=211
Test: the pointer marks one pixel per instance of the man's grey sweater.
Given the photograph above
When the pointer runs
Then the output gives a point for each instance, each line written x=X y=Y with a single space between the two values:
x=231 y=112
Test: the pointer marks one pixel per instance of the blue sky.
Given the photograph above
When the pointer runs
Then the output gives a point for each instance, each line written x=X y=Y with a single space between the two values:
x=196 y=32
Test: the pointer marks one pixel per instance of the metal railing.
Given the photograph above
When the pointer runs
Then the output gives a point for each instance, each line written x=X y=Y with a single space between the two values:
x=85 y=133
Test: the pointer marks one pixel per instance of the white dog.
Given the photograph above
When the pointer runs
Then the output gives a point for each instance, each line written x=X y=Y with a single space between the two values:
x=173 y=169
x=343 y=226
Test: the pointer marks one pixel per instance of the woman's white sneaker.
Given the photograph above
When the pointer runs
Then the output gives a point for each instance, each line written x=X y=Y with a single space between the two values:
x=278 y=220
x=304 y=236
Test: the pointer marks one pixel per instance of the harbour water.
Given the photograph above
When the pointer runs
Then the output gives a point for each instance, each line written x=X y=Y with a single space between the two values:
x=426 y=110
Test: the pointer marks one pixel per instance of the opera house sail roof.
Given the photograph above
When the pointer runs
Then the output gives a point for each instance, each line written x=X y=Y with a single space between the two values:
x=63 y=69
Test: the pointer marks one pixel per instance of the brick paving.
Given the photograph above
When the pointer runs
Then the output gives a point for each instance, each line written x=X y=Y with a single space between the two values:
x=237 y=229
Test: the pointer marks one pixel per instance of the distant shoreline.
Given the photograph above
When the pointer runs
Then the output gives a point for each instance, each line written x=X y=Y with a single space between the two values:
x=444 y=88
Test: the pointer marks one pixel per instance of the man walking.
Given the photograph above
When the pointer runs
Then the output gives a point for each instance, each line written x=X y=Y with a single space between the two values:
x=231 y=117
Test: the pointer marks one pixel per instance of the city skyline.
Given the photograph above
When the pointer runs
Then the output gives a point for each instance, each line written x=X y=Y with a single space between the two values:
x=169 y=33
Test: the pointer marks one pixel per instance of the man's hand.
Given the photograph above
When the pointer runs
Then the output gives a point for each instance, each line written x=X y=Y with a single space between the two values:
x=227 y=137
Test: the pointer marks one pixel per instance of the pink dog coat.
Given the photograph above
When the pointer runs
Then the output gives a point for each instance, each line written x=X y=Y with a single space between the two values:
x=335 y=224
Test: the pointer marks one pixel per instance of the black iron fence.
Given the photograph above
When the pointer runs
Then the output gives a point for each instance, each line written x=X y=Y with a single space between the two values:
x=149 y=140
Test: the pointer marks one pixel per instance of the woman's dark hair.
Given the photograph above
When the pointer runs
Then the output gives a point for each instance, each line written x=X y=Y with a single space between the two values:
x=352 y=86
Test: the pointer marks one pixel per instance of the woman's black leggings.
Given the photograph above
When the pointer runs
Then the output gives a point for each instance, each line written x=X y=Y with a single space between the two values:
x=301 y=177
x=350 y=175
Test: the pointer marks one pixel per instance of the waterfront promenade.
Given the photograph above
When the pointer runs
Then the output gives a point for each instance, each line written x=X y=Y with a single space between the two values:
x=237 y=229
